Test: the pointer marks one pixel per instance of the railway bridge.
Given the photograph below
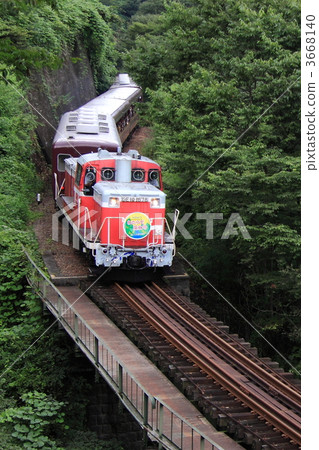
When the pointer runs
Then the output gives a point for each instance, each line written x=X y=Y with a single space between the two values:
x=164 y=414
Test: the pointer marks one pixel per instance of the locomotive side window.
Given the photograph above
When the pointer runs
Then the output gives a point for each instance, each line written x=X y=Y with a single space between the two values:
x=153 y=177
x=78 y=174
x=61 y=164
x=107 y=174
x=138 y=175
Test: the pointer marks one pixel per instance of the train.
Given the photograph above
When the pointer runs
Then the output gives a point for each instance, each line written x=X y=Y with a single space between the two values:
x=104 y=122
x=113 y=200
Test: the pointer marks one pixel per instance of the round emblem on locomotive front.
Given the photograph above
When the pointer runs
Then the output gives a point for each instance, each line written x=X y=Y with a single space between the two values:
x=137 y=225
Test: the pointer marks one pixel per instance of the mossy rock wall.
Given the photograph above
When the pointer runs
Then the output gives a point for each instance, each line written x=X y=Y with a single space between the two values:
x=54 y=92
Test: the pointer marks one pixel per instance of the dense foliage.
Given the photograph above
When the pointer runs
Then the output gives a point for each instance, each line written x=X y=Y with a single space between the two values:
x=28 y=424
x=222 y=79
x=18 y=185
x=20 y=322
x=30 y=368
x=37 y=392
x=38 y=34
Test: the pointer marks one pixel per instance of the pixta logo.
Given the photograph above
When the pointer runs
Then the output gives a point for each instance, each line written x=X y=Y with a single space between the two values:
x=62 y=230
x=234 y=226
x=138 y=225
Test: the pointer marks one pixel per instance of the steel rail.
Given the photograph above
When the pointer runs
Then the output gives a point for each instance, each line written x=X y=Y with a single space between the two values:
x=139 y=402
x=287 y=425
x=239 y=358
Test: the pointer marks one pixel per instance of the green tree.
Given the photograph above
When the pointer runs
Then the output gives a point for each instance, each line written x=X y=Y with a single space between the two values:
x=126 y=8
x=37 y=34
x=223 y=81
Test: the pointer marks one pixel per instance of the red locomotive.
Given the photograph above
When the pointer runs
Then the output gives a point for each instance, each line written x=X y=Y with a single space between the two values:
x=113 y=201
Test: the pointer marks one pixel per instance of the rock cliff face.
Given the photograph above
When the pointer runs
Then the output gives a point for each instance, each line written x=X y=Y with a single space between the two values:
x=54 y=92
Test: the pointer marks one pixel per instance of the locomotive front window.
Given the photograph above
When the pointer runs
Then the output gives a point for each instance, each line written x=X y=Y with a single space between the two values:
x=153 y=177
x=107 y=174
x=89 y=180
x=138 y=175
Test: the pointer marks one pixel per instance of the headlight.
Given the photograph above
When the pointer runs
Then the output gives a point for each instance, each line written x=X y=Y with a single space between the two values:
x=138 y=175
x=107 y=174
x=114 y=202
x=153 y=175
x=155 y=202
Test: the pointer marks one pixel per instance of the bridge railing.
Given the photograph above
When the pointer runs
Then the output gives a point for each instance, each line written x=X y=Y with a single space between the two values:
x=155 y=417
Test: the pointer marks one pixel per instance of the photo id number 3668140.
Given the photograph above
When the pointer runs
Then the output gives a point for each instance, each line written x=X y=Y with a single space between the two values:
x=310 y=40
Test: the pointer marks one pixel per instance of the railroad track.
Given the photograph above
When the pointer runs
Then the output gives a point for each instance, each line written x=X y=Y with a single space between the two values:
x=240 y=392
